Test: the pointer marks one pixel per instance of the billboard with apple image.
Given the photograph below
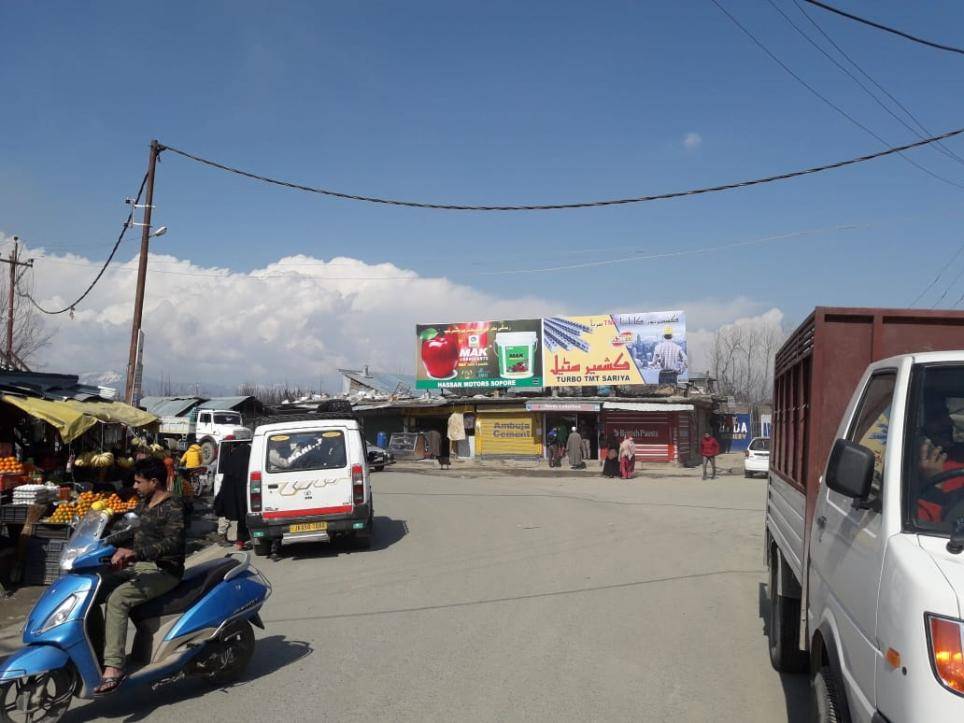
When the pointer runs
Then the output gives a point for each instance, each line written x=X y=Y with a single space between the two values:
x=479 y=354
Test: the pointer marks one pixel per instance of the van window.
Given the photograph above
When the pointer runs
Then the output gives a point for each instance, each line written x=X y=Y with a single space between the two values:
x=760 y=444
x=302 y=451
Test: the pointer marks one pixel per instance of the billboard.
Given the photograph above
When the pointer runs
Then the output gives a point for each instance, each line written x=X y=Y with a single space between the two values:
x=558 y=351
x=642 y=348
x=479 y=354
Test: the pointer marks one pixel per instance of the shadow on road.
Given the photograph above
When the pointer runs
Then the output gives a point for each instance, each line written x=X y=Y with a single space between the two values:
x=387 y=533
x=139 y=702
x=796 y=688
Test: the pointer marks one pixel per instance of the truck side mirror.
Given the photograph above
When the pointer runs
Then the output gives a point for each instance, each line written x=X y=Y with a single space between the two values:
x=850 y=470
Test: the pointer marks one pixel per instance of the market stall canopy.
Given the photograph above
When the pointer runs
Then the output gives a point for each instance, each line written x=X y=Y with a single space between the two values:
x=114 y=412
x=66 y=419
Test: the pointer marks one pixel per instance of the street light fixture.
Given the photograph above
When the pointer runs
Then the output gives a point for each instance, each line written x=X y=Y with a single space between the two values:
x=160 y=231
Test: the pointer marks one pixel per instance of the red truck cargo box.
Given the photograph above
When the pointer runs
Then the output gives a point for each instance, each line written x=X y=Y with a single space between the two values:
x=818 y=368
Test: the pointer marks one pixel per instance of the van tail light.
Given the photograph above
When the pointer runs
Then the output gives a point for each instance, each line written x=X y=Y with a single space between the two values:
x=254 y=491
x=944 y=637
x=358 y=484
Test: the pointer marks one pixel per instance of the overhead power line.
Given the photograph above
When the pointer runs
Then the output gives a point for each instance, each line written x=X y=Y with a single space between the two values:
x=895 y=31
x=584 y=204
x=759 y=43
x=127 y=223
x=806 y=36
x=940 y=272
x=926 y=132
x=281 y=271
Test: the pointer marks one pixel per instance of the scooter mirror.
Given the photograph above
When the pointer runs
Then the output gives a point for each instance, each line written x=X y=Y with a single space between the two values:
x=131 y=520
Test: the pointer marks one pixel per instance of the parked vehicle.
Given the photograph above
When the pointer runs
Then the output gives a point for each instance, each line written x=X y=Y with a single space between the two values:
x=757 y=457
x=865 y=513
x=379 y=458
x=201 y=628
x=207 y=427
x=308 y=481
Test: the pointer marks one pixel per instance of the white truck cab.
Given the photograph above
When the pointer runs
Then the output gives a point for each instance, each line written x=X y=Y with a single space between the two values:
x=881 y=581
x=206 y=427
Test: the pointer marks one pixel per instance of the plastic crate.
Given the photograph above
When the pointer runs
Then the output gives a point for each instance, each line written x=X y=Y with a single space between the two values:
x=51 y=531
x=14 y=514
x=42 y=563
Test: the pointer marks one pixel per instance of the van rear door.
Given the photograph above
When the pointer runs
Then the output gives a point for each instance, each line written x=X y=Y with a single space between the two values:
x=307 y=472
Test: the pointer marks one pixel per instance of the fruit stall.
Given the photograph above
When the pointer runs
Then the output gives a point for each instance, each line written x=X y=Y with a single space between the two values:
x=58 y=460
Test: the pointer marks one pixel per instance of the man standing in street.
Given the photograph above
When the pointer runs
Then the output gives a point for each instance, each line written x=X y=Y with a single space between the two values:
x=574 y=450
x=669 y=358
x=709 y=448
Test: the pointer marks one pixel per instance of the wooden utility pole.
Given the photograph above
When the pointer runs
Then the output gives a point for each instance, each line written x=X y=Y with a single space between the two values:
x=14 y=262
x=141 y=268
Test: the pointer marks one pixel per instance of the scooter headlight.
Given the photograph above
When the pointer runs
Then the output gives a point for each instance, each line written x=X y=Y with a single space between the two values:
x=61 y=614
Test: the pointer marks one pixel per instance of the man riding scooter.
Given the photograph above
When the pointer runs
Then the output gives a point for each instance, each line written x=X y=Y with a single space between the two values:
x=148 y=562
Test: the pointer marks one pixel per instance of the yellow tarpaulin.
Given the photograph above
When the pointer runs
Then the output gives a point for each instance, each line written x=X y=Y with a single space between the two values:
x=114 y=412
x=67 y=420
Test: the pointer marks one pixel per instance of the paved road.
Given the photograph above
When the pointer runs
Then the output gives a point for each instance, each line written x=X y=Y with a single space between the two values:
x=508 y=599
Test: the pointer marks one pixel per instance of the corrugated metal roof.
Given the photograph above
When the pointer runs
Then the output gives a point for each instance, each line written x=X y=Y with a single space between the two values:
x=382 y=382
x=224 y=402
x=169 y=406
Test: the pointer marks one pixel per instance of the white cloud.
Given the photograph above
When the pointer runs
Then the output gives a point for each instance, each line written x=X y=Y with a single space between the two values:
x=692 y=141
x=298 y=319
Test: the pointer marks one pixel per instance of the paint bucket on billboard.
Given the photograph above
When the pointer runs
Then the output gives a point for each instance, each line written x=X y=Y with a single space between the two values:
x=516 y=350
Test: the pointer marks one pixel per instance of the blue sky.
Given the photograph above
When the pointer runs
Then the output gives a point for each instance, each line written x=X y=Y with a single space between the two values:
x=490 y=102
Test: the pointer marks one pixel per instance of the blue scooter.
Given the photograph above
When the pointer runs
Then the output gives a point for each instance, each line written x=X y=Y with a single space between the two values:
x=200 y=628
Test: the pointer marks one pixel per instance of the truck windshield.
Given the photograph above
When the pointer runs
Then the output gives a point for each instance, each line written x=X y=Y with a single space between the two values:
x=934 y=456
x=302 y=451
x=227 y=418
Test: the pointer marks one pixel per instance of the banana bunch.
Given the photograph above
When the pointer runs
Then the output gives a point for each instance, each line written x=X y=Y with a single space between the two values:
x=103 y=459
x=157 y=450
x=137 y=442
x=125 y=462
x=84 y=460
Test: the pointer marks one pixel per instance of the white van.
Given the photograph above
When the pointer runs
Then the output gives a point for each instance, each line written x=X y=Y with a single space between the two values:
x=308 y=481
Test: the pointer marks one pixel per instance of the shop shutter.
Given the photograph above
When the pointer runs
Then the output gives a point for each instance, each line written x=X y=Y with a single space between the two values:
x=507 y=434
x=652 y=432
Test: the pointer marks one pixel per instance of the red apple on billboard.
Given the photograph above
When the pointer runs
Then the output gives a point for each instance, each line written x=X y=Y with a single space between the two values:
x=440 y=353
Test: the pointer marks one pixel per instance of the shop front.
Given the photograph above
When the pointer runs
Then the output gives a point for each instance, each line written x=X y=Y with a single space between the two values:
x=662 y=432
x=562 y=415
x=508 y=433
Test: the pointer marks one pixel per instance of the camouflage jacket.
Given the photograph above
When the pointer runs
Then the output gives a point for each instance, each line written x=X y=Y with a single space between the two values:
x=161 y=537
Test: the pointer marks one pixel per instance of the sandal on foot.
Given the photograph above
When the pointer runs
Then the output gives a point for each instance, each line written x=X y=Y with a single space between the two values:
x=109 y=684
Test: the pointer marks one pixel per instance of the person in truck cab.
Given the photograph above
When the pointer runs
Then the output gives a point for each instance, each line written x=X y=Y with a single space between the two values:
x=939 y=455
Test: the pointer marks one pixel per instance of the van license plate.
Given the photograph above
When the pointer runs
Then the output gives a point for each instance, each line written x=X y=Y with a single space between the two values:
x=309 y=527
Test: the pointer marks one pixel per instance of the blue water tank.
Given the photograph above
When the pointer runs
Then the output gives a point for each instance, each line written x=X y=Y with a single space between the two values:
x=381 y=440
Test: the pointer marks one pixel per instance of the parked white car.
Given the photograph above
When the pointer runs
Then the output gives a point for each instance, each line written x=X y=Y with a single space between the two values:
x=757 y=457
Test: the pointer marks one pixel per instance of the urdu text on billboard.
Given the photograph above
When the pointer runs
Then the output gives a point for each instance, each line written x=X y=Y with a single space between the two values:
x=643 y=348
x=479 y=354
x=558 y=351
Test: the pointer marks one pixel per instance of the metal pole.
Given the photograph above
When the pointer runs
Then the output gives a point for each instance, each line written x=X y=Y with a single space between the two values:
x=10 y=298
x=142 y=269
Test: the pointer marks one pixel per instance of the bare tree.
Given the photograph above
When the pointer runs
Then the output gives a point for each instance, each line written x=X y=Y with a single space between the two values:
x=742 y=359
x=29 y=332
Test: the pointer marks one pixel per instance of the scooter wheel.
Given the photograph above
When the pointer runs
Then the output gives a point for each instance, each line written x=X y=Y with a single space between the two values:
x=236 y=649
x=39 y=698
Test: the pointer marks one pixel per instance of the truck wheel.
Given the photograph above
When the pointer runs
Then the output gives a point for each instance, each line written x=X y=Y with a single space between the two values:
x=827 y=704
x=784 y=628
x=261 y=547
x=209 y=450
